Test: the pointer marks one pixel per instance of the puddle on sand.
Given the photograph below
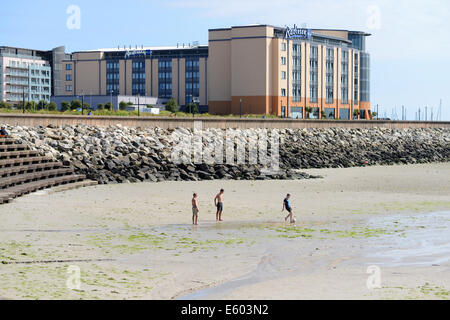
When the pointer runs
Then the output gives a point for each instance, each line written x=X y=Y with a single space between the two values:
x=425 y=241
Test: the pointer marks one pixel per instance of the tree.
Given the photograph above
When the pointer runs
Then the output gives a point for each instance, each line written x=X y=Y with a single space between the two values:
x=42 y=105
x=76 y=104
x=356 y=114
x=86 y=106
x=109 y=106
x=5 y=105
x=172 y=105
x=149 y=106
x=123 y=105
x=65 y=105
x=100 y=106
x=308 y=111
x=52 y=106
x=374 y=114
x=323 y=114
x=192 y=108
x=30 y=105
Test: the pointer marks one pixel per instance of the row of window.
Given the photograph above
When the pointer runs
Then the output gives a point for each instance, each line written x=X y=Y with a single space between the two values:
x=137 y=76
x=138 y=64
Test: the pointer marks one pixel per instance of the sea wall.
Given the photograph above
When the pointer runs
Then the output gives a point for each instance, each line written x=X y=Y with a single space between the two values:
x=33 y=120
x=118 y=154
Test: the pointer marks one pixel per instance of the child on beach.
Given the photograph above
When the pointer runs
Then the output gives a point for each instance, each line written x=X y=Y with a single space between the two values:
x=195 y=210
x=288 y=208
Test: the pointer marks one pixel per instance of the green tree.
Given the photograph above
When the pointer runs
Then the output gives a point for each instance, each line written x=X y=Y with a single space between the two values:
x=100 y=106
x=30 y=105
x=86 y=106
x=76 y=104
x=52 y=106
x=149 y=106
x=41 y=105
x=192 y=108
x=323 y=114
x=123 y=105
x=65 y=105
x=356 y=114
x=109 y=106
x=172 y=106
x=5 y=105
x=374 y=115
x=308 y=111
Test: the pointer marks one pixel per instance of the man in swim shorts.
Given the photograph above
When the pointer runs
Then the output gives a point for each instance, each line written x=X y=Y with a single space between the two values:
x=218 y=202
x=195 y=210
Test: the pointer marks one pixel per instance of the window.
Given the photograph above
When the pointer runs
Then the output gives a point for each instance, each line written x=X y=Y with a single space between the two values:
x=283 y=92
x=69 y=66
x=69 y=88
x=68 y=77
x=283 y=61
x=283 y=75
x=283 y=46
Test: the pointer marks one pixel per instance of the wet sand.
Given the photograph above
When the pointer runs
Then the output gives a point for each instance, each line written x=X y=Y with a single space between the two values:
x=135 y=241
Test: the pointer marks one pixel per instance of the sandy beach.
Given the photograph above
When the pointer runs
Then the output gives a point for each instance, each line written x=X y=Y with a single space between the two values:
x=135 y=241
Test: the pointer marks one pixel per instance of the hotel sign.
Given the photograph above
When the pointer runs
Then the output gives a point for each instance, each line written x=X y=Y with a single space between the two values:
x=137 y=53
x=295 y=32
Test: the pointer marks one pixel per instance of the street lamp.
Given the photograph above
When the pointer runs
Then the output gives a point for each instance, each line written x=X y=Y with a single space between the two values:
x=111 y=92
x=139 y=112
x=240 y=101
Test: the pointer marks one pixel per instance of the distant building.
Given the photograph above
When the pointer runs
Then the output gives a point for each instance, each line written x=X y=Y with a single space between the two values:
x=256 y=69
x=263 y=69
x=29 y=75
x=164 y=72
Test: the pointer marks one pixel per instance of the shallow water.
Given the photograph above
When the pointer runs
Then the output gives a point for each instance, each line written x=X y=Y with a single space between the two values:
x=425 y=241
x=419 y=240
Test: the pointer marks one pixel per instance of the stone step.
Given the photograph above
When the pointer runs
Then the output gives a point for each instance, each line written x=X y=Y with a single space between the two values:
x=20 y=190
x=18 y=154
x=8 y=163
x=31 y=168
x=26 y=178
x=73 y=186
x=13 y=147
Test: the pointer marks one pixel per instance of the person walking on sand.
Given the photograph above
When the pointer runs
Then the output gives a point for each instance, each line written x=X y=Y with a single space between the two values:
x=288 y=208
x=195 y=210
x=218 y=202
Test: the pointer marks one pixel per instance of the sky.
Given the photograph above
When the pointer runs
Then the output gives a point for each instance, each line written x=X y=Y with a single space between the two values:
x=409 y=46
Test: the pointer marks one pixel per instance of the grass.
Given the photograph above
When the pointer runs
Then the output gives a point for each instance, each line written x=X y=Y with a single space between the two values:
x=123 y=113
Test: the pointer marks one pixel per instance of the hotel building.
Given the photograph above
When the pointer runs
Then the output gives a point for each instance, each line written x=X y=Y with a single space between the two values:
x=164 y=72
x=263 y=69
x=29 y=75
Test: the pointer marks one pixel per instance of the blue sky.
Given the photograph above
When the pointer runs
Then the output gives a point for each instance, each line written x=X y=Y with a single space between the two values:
x=410 y=43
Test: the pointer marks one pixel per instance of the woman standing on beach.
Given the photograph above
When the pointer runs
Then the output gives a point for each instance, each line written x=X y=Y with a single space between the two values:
x=287 y=206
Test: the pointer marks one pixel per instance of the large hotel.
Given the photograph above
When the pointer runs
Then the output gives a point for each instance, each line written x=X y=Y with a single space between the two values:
x=257 y=69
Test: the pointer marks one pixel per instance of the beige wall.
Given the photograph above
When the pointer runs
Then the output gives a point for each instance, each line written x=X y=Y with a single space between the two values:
x=148 y=77
x=154 y=91
x=87 y=77
x=219 y=70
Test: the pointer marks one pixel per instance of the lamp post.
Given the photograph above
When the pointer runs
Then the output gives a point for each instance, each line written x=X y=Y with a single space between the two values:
x=240 y=100
x=23 y=103
x=139 y=113
x=111 y=92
